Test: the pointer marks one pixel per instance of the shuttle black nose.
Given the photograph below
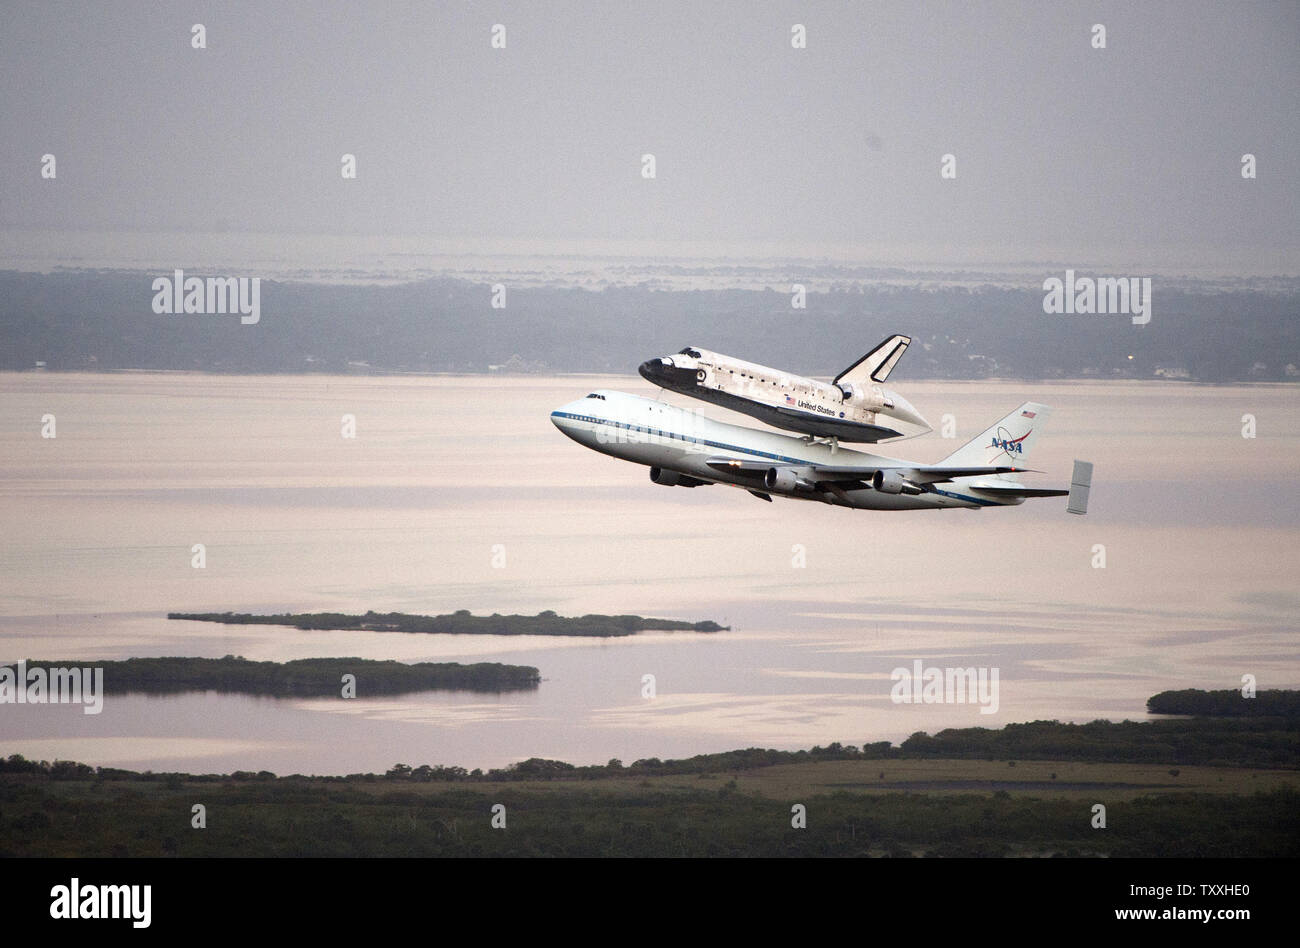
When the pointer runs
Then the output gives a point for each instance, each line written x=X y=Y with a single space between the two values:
x=652 y=370
x=663 y=373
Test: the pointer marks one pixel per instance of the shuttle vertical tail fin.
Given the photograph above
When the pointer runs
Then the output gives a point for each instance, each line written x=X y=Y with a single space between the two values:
x=876 y=365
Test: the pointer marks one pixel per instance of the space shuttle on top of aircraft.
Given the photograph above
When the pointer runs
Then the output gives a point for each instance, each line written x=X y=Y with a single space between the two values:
x=854 y=407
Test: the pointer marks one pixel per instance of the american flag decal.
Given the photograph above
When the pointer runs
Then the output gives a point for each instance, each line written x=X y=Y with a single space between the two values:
x=789 y=399
x=1029 y=414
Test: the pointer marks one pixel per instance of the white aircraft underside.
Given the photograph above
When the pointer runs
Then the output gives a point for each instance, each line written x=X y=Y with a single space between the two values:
x=684 y=448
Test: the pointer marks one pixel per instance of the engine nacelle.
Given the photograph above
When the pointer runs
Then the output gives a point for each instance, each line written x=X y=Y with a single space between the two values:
x=892 y=482
x=870 y=399
x=672 y=479
x=786 y=480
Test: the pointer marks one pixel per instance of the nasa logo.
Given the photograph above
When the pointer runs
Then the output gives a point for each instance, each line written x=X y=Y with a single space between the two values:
x=1008 y=445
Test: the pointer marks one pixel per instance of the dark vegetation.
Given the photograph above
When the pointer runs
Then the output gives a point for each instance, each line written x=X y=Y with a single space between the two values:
x=306 y=677
x=1275 y=703
x=460 y=623
x=1269 y=743
x=103 y=320
x=1253 y=742
x=71 y=810
x=554 y=808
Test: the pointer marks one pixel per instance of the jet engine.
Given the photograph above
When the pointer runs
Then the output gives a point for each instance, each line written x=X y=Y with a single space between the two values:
x=786 y=480
x=673 y=479
x=892 y=482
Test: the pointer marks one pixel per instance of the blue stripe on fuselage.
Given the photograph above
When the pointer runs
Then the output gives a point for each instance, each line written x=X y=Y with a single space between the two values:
x=732 y=447
x=970 y=500
x=680 y=437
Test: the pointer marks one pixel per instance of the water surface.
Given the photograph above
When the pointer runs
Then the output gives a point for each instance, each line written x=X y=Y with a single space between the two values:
x=1199 y=527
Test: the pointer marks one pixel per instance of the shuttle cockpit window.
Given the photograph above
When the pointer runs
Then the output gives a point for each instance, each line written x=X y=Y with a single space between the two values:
x=693 y=353
x=594 y=395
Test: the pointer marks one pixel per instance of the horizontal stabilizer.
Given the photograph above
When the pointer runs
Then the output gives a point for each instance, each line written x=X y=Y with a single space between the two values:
x=1080 y=486
x=1018 y=490
x=935 y=473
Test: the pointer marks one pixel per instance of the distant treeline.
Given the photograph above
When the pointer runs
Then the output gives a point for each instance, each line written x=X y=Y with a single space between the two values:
x=304 y=677
x=1228 y=703
x=1254 y=742
x=1250 y=743
x=103 y=321
x=460 y=623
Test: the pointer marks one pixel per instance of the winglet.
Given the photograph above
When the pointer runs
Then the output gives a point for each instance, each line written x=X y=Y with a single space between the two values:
x=1080 y=485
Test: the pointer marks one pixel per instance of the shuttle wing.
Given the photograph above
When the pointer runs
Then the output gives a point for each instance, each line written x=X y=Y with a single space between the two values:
x=835 y=427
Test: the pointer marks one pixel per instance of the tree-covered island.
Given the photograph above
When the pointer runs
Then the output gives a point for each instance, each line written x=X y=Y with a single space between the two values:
x=302 y=678
x=460 y=623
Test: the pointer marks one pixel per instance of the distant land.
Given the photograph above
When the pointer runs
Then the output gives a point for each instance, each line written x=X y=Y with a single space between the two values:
x=1233 y=704
x=1197 y=787
x=301 y=678
x=460 y=623
x=102 y=320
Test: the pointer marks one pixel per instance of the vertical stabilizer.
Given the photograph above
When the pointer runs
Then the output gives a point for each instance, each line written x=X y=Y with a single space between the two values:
x=1006 y=443
x=876 y=365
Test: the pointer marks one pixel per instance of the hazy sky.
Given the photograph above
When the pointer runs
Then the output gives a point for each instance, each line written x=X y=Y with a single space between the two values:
x=1057 y=144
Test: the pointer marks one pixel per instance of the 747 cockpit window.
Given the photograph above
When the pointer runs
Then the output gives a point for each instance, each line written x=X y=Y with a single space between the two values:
x=594 y=395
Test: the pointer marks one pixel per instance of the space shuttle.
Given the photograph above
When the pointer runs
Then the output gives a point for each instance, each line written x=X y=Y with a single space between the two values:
x=854 y=407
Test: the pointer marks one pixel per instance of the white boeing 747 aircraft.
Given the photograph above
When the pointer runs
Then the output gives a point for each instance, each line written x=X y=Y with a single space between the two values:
x=685 y=449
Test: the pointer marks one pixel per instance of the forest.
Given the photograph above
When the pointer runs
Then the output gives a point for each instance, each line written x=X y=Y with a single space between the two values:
x=304 y=677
